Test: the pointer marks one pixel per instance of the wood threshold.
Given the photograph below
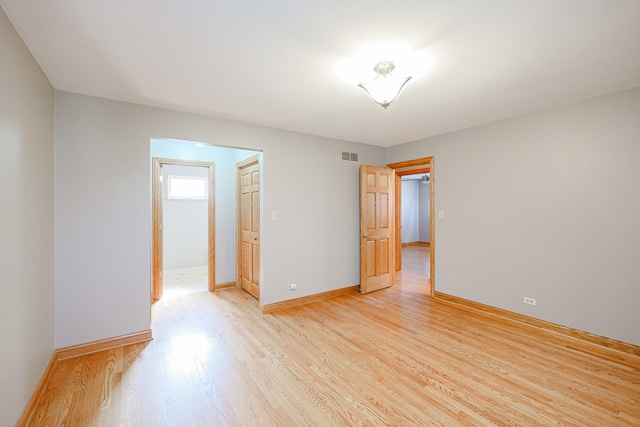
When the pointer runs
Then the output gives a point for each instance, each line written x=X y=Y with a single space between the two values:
x=101 y=345
x=269 y=308
x=226 y=285
x=38 y=393
x=425 y=244
x=564 y=331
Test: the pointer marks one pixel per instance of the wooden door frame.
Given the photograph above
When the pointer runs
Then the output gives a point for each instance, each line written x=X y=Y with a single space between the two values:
x=241 y=165
x=412 y=167
x=158 y=162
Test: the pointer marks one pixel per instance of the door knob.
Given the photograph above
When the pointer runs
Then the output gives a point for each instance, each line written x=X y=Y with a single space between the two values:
x=365 y=235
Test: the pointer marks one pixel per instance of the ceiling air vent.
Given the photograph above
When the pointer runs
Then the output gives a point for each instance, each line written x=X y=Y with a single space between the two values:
x=349 y=157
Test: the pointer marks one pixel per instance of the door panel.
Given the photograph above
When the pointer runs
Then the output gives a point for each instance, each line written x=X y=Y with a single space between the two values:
x=384 y=210
x=382 y=256
x=377 y=241
x=255 y=264
x=246 y=261
x=250 y=228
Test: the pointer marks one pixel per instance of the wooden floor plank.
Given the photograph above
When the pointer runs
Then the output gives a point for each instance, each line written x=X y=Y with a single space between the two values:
x=216 y=360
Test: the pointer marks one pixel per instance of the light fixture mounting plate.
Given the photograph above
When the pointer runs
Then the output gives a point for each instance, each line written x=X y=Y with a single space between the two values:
x=384 y=67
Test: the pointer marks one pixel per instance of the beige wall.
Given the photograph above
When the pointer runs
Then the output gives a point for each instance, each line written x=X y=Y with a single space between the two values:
x=542 y=206
x=103 y=210
x=26 y=223
x=545 y=206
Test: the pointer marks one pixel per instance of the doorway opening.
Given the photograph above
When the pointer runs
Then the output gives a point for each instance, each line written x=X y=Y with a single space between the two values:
x=414 y=222
x=220 y=234
x=183 y=227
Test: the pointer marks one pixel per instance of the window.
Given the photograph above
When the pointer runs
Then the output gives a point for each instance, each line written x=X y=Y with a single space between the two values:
x=186 y=187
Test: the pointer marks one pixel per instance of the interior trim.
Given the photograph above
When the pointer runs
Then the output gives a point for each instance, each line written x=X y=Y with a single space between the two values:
x=37 y=393
x=410 y=167
x=426 y=244
x=225 y=285
x=564 y=331
x=156 y=207
x=75 y=351
x=268 y=308
x=100 y=345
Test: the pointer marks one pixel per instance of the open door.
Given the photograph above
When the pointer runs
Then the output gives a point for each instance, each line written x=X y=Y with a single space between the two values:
x=248 y=200
x=157 y=287
x=377 y=230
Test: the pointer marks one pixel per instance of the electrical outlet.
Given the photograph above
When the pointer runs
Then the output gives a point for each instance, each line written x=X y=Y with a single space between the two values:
x=292 y=286
x=530 y=301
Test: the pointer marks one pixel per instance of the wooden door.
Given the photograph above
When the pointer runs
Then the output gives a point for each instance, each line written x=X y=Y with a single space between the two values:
x=249 y=233
x=157 y=285
x=377 y=230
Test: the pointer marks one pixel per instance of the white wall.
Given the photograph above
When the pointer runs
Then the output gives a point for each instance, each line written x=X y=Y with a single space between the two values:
x=26 y=223
x=409 y=211
x=546 y=206
x=103 y=248
x=185 y=223
x=415 y=212
x=424 y=215
x=225 y=160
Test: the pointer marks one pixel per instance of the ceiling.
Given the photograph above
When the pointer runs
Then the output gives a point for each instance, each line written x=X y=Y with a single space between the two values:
x=275 y=63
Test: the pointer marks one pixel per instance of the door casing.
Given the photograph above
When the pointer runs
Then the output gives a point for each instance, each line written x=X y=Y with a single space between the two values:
x=411 y=167
x=156 y=280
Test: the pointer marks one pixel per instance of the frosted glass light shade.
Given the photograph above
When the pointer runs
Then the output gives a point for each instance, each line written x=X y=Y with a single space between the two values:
x=385 y=87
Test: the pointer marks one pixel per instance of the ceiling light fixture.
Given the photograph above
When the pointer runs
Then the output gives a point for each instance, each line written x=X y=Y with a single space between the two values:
x=385 y=87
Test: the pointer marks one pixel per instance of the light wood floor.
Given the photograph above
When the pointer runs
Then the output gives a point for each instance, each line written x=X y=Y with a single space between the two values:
x=416 y=259
x=180 y=281
x=393 y=357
